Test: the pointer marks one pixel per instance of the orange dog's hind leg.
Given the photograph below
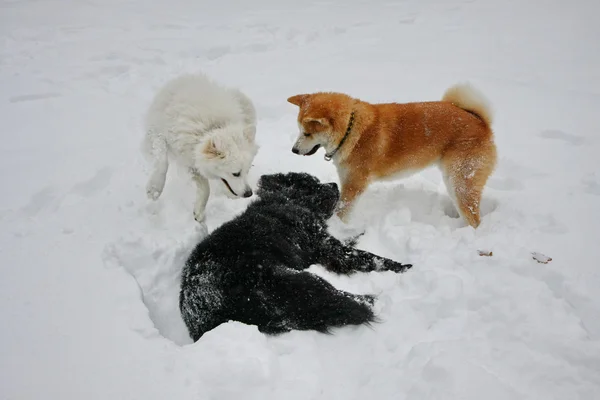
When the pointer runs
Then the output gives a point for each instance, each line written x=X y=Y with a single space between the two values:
x=466 y=171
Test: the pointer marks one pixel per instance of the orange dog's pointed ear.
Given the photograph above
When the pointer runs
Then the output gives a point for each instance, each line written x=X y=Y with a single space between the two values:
x=298 y=99
x=322 y=121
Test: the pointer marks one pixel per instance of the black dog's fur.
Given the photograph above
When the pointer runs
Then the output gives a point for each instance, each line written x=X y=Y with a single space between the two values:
x=250 y=268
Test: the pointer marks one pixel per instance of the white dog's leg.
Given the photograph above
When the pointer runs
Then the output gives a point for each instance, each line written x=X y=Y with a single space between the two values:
x=202 y=193
x=156 y=183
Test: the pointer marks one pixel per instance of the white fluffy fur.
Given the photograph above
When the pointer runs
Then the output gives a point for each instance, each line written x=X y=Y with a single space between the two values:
x=206 y=128
x=467 y=97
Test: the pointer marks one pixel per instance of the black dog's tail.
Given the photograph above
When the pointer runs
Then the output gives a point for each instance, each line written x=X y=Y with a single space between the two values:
x=305 y=301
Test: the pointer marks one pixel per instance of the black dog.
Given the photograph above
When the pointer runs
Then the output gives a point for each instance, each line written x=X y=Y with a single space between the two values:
x=250 y=268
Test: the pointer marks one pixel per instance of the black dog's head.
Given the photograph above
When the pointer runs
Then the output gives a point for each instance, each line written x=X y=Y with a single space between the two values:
x=301 y=189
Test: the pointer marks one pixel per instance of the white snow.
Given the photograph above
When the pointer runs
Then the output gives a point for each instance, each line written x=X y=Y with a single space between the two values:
x=89 y=268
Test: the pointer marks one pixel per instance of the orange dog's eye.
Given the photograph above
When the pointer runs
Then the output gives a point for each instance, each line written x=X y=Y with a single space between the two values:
x=306 y=134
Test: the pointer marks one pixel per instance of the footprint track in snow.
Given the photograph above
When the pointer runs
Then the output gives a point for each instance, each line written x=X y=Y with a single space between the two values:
x=95 y=184
x=217 y=52
x=503 y=178
x=45 y=199
x=591 y=184
x=563 y=136
x=50 y=198
x=33 y=97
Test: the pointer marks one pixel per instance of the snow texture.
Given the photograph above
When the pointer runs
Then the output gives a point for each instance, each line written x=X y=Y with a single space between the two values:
x=90 y=267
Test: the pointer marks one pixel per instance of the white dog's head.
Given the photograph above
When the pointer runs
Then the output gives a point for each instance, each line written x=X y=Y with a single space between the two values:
x=226 y=155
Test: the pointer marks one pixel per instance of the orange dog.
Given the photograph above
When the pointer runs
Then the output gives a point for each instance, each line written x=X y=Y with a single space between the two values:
x=369 y=142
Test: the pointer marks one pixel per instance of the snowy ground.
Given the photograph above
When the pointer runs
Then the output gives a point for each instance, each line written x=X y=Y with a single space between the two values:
x=89 y=268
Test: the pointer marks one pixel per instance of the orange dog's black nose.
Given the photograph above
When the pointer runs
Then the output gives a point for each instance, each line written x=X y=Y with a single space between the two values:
x=295 y=150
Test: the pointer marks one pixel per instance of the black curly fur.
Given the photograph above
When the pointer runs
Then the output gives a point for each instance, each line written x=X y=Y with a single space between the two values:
x=251 y=268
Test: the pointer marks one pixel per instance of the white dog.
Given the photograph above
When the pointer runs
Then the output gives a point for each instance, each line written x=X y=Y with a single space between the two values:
x=206 y=128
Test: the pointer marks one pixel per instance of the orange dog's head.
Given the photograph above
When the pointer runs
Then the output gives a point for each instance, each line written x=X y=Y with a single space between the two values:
x=322 y=121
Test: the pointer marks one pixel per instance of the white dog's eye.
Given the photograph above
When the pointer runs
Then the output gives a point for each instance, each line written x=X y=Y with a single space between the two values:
x=306 y=134
x=236 y=174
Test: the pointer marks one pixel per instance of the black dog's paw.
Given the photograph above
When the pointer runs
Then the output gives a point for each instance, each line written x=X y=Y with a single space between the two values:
x=367 y=298
x=274 y=328
x=352 y=241
x=397 y=267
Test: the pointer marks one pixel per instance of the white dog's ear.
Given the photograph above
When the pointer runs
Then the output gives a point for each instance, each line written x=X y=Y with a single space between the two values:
x=250 y=132
x=211 y=150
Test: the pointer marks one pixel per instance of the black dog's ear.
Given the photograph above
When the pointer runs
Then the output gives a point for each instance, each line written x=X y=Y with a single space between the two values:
x=301 y=180
x=271 y=183
x=322 y=200
x=290 y=180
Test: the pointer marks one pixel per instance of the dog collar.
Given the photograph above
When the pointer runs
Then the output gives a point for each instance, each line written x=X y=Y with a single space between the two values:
x=329 y=156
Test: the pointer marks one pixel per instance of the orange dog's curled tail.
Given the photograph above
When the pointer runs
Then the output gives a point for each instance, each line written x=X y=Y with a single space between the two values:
x=467 y=97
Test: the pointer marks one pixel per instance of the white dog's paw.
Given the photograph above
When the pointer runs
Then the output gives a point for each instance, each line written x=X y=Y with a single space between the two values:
x=199 y=216
x=153 y=192
x=201 y=230
x=154 y=188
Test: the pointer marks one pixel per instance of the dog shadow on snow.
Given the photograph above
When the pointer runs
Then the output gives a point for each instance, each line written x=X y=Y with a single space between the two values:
x=407 y=205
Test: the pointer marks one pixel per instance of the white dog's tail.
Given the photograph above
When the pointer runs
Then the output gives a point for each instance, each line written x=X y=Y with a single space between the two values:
x=467 y=97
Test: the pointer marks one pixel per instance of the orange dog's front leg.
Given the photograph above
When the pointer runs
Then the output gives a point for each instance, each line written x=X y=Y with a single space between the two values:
x=352 y=187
